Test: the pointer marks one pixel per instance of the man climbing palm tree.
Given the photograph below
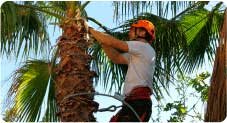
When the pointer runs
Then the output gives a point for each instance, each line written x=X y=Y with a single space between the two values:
x=140 y=58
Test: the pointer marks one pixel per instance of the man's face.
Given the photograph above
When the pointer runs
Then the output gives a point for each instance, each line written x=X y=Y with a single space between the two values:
x=131 y=33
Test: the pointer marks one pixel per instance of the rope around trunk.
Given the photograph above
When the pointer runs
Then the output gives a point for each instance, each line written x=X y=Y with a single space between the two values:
x=97 y=93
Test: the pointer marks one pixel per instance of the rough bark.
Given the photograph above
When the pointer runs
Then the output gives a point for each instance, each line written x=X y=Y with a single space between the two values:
x=73 y=75
x=216 y=105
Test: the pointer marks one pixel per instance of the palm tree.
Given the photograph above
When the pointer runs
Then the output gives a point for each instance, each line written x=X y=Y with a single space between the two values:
x=72 y=73
x=216 y=105
x=73 y=61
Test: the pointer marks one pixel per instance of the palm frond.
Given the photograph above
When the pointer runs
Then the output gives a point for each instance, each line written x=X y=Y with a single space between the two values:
x=29 y=88
x=54 y=11
x=57 y=7
x=84 y=5
x=202 y=32
x=52 y=109
x=23 y=30
x=110 y=76
x=125 y=8
x=197 y=5
x=99 y=24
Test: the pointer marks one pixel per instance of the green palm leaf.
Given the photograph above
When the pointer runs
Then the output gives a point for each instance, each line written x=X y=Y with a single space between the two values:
x=30 y=86
x=122 y=9
x=23 y=29
x=201 y=28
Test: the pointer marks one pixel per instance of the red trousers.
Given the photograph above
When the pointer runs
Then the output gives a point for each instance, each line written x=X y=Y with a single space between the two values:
x=139 y=100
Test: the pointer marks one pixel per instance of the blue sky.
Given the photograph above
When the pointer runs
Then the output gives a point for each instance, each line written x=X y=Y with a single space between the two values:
x=101 y=11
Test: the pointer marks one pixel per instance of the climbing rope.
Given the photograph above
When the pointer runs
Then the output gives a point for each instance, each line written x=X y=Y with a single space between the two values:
x=109 y=108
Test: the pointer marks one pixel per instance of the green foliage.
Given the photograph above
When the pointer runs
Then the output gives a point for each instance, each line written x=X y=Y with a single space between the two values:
x=30 y=85
x=185 y=87
x=24 y=26
x=201 y=28
x=33 y=85
x=10 y=115
x=111 y=76
x=200 y=86
x=22 y=30
x=123 y=9
x=180 y=111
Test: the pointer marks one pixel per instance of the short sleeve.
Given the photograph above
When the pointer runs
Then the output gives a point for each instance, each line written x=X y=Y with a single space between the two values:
x=126 y=56
x=135 y=47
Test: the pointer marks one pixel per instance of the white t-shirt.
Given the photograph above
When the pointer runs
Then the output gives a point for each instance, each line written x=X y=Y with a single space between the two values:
x=141 y=66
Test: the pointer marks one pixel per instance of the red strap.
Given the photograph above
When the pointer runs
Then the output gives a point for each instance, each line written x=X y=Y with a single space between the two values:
x=143 y=116
x=139 y=93
x=113 y=119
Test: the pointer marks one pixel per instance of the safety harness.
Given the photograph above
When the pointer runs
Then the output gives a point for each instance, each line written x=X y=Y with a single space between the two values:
x=139 y=99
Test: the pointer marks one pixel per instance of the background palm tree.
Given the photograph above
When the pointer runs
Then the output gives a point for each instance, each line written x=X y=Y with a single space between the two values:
x=216 y=105
x=173 y=55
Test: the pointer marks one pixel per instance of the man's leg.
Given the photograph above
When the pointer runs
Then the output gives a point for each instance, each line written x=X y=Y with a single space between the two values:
x=142 y=108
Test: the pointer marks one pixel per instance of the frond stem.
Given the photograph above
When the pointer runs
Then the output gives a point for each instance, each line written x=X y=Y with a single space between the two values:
x=41 y=10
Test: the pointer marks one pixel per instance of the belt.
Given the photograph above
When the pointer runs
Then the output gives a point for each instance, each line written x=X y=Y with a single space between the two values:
x=140 y=93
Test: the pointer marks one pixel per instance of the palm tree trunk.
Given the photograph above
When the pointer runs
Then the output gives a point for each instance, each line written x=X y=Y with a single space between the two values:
x=73 y=73
x=216 y=106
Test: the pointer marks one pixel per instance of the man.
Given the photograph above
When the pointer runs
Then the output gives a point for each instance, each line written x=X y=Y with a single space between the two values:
x=140 y=58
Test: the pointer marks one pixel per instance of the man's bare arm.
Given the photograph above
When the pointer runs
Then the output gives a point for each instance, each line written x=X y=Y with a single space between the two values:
x=109 y=40
x=114 y=55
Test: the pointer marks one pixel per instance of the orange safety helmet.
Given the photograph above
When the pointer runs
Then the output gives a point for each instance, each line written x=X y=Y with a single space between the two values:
x=150 y=28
